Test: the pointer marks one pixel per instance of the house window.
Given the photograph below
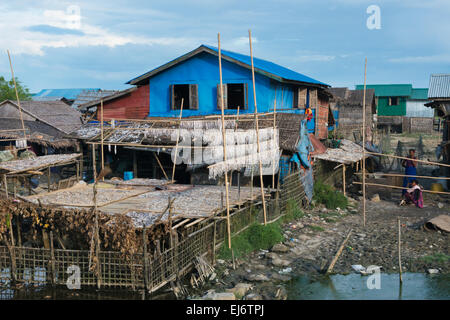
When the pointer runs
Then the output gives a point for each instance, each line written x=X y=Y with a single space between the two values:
x=393 y=101
x=188 y=93
x=234 y=96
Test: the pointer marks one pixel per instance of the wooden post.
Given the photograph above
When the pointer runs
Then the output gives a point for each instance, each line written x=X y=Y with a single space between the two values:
x=94 y=169
x=338 y=253
x=146 y=267
x=102 y=138
x=52 y=259
x=343 y=179
x=134 y=164
x=178 y=138
x=19 y=231
x=5 y=181
x=49 y=178
x=257 y=129
x=399 y=250
x=364 y=145
x=224 y=142
x=160 y=165
x=274 y=127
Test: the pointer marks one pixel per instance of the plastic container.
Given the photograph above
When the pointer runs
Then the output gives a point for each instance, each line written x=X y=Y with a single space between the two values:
x=127 y=175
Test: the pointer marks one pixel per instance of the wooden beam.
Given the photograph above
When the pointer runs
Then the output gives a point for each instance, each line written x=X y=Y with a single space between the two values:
x=178 y=138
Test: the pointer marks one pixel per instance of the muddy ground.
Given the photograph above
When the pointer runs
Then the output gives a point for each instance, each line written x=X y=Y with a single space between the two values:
x=312 y=241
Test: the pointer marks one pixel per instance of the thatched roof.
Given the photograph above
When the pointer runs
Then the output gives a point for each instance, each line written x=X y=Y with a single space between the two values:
x=347 y=97
x=159 y=132
x=36 y=132
x=54 y=113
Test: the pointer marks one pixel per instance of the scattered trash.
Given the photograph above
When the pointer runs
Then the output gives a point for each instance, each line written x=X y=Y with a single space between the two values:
x=432 y=271
x=365 y=271
x=286 y=270
x=358 y=268
x=441 y=222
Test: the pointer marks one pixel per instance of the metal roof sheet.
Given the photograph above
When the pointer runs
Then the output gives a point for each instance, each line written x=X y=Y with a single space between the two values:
x=439 y=86
x=70 y=93
x=261 y=66
x=419 y=94
x=388 y=90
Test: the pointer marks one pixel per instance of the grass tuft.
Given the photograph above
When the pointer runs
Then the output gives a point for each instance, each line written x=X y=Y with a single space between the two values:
x=331 y=198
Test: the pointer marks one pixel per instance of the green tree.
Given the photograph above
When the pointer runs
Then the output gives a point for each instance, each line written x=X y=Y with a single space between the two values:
x=7 y=91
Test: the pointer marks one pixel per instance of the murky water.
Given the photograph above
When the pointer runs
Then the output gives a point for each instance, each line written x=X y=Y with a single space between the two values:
x=354 y=286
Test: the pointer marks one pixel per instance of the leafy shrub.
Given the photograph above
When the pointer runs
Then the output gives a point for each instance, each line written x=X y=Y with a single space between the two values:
x=327 y=195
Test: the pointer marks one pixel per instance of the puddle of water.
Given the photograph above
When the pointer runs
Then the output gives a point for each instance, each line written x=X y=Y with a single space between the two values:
x=354 y=287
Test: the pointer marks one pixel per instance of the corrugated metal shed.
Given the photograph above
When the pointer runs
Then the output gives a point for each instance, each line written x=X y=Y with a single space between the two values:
x=388 y=90
x=91 y=95
x=419 y=94
x=439 y=86
x=261 y=66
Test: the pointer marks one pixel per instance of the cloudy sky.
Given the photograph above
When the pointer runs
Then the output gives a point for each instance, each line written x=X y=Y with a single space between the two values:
x=78 y=44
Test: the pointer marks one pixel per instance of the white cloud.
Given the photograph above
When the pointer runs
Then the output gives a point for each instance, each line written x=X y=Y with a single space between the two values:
x=314 y=58
x=17 y=35
x=439 y=58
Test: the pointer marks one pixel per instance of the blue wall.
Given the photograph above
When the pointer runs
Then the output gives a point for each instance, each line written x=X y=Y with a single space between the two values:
x=203 y=70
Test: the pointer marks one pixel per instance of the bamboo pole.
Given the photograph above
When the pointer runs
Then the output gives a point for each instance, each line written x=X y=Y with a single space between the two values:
x=224 y=143
x=364 y=144
x=102 y=137
x=338 y=253
x=274 y=127
x=257 y=129
x=17 y=95
x=178 y=138
x=396 y=187
x=399 y=250
x=343 y=179
x=94 y=169
x=408 y=175
x=405 y=158
x=160 y=165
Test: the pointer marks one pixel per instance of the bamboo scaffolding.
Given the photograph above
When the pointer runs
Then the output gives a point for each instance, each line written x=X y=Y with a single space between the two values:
x=178 y=138
x=224 y=143
x=257 y=128
x=364 y=144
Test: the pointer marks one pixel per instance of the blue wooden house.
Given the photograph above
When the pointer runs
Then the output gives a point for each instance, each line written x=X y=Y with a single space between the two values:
x=194 y=79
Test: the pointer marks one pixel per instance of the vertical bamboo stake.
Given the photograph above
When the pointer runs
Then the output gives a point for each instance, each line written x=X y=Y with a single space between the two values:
x=17 y=96
x=399 y=251
x=274 y=127
x=103 y=151
x=343 y=178
x=94 y=169
x=52 y=257
x=257 y=129
x=364 y=145
x=224 y=141
x=49 y=178
x=5 y=181
x=144 y=240
x=176 y=145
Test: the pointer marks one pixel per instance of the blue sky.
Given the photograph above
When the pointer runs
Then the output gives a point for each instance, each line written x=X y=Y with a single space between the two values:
x=328 y=40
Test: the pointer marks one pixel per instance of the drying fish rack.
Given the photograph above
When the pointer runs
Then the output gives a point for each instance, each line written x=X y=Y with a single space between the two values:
x=141 y=271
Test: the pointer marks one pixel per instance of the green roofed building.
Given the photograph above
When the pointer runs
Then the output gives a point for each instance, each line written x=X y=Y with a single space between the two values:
x=397 y=104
